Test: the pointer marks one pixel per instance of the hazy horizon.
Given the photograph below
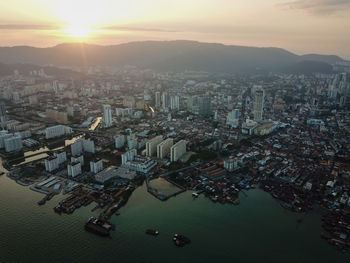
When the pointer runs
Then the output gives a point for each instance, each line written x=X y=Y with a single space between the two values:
x=301 y=27
x=190 y=40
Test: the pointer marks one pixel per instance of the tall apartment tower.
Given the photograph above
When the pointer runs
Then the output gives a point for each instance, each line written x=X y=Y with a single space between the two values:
x=204 y=106
x=3 y=117
x=165 y=100
x=259 y=103
x=107 y=115
x=177 y=150
x=163 y=149
x=157 y=99
x=151 y=145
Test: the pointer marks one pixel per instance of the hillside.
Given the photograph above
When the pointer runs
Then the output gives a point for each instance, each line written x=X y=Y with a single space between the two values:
x=163 y=55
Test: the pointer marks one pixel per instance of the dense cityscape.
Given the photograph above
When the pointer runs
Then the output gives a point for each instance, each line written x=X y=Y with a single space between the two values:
x=149 y=131
x=97 y=138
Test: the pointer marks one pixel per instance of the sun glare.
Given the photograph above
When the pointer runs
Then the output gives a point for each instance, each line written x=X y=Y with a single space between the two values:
x=78 y=30
x=81 y=17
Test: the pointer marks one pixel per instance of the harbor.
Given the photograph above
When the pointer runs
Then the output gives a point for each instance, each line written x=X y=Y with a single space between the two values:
x=237 y=230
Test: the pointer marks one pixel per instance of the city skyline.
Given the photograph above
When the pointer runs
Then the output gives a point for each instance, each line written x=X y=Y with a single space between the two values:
x=316 y=26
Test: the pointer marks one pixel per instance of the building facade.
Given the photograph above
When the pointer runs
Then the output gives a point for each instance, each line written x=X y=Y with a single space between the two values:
x=177 y=150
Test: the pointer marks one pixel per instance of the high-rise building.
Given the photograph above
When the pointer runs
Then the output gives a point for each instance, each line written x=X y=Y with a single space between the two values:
x=57 y=131
x=51 y=164
x=82 y=145
x=3 y=116
x=3 y=136
x=177 y=150
x=157 y=99
x=76 y=148
x=61 y=156
x=129 y=156
x=204 y=104
x=74 y=169
x=151 y=145
x=216 y=115
x=79 y=159
x=163 y=148
x=107 y=116
x=233 y=118
x=88 y=145
x=119 y=141
x=165 y=100
x=13 y=144
x=132 y=141
x=96 y=166
x=175 y=103
x=258 y=103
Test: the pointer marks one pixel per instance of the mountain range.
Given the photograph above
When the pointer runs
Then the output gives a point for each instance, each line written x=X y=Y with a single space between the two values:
x=177 y=55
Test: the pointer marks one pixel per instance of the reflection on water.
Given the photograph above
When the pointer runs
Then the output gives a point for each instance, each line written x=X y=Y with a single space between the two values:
x=95 y=124
x=41 y=153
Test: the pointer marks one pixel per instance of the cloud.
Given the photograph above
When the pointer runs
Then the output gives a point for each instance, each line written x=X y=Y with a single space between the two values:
x=318 y=7
x=131 y=28
x=26 y=27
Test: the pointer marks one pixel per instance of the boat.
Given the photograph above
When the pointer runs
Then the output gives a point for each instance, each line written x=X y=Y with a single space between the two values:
x=97 y=226
x=152 y=232
x=58 y=209
x=195 y=195
x=41 y=202
x=181 y=240
x=236 y=202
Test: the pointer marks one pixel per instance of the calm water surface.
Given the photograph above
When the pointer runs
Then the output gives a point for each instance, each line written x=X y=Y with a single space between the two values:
x=258 y=230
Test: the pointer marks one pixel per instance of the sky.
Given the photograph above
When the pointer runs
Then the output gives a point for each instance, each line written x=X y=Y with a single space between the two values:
x=300 y=26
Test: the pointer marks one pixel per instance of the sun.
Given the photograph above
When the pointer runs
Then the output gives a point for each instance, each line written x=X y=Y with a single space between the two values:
x=78 y=30
x=80 y=18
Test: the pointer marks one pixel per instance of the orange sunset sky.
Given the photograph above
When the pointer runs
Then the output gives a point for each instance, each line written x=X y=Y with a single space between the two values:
x=308 y=26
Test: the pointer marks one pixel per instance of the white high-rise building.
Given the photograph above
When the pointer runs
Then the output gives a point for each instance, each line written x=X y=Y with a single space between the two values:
x=177 y=150
x=119 y=141
x=177 y=102
x=57 y=131
x=107 y=116
x=96 y=166
x=82 y=145
x=258 y=103
x=79 y=159
x=76 y=148
x=163 y=148
x=233 y=118
x=157 y=99
x=61 y=156
x=132 y=141
x=165 y=100
x=88 y=145
x=51 y=164
x=13 y=144
x=129 y=156
x=3 y=136
x=151 y=145
x=74 y=169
